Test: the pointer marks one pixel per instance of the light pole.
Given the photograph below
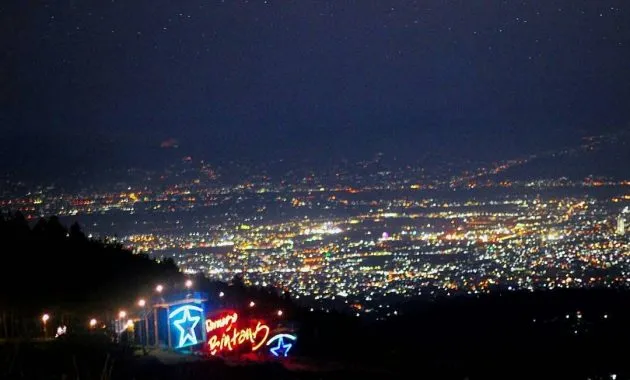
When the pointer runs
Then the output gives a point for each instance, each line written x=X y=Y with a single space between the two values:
x=189 y=285
x=130 y=331
x=144 y=337
x=121 y=326
x=168 y=327
x=45 y=319
x=221 y=298
x=158 y=289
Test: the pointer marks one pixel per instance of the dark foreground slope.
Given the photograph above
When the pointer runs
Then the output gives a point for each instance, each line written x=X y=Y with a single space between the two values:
x=561 y=334
x=555 y=334
x=578 y=334
x=85 y=358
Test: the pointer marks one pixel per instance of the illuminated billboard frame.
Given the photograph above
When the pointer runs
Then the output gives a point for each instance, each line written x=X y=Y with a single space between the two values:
x=184 y=324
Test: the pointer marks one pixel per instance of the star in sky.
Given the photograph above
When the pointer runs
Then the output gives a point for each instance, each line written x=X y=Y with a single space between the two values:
x=509 y=76
x=187 y=333
x=282 y=349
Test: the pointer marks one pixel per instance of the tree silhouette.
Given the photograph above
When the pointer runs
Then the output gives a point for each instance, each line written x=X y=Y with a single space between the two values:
x=237 y=281
x=50 y=266
x=76 y=233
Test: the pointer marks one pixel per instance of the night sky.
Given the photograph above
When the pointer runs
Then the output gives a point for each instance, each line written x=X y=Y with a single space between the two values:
x=109 y=81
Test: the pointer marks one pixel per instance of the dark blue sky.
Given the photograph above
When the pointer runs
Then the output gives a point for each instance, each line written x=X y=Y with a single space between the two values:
x=107 y=81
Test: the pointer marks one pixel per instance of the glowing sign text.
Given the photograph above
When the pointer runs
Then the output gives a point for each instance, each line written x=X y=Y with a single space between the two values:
x=229 y=319
x=232 y=336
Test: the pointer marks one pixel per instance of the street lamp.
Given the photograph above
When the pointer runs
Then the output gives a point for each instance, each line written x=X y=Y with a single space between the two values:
x=144 y=338
x=189 y=285
x=158 y=289
x=45 y=319
x=280 y=313
x=252 y=303
x=93 y=323
x=221 y=294
x=121 y=316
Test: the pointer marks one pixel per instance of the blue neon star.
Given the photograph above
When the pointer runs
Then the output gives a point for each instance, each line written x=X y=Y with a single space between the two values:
x=189 y=333
x=281 y=348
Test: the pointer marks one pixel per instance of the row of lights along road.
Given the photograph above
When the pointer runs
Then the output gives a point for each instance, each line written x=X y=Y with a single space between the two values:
x=142 y=303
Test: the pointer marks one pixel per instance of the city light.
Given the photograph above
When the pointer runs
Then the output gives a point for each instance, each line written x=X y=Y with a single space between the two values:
x=280 y=313
x=122 y=314
x=142 y=302
x=502 y=232
x=93 y=322
x=513 y=242
x=45 y=318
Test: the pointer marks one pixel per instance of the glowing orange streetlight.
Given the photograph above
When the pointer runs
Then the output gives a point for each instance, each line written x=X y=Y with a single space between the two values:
x=144 y=337
x=45 y=319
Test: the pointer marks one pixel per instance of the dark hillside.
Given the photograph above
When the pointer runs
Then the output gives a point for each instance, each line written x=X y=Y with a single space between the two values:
x=47 y=265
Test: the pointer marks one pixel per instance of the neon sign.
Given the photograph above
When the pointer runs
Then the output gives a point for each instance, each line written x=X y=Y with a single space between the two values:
x=282 y=348
x=186 y=326
x=229 y=319
x=224 y=334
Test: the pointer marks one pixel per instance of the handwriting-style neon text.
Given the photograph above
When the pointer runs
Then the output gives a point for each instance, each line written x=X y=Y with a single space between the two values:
x=229 y=319
x=232 y=336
